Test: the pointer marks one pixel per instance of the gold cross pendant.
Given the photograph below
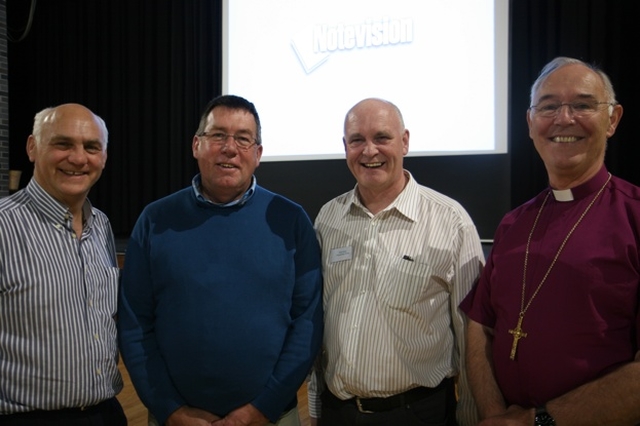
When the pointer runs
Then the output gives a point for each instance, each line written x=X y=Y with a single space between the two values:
x=518 y=334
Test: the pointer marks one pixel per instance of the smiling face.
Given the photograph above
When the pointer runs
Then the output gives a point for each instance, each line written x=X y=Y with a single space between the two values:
x=375 y=142
x=572 y=147
x=226 y=170
x=70 y=154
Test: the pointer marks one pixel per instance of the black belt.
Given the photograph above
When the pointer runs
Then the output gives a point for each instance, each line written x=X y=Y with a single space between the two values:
x=62 y=413
x=374 y=405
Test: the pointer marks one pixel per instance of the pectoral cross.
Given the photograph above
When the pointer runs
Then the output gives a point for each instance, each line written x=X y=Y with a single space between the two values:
x=517 y=335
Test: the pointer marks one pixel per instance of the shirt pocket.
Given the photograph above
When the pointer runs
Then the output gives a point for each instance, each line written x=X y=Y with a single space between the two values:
x=404 y=283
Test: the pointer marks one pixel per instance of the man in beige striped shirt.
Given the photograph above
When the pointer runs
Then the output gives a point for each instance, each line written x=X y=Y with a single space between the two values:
x=397 y=260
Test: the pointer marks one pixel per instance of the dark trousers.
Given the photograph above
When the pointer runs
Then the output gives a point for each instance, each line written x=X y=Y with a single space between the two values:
x=437 y=408
x=107 y=413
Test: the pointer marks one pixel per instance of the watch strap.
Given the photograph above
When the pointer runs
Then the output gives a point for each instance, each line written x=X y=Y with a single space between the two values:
x=543 y=418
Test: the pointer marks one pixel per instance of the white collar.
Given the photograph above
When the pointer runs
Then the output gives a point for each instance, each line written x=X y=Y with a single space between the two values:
x=563 y=194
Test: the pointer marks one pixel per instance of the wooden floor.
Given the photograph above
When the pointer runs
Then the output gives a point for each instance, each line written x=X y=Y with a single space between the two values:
x=137 y=413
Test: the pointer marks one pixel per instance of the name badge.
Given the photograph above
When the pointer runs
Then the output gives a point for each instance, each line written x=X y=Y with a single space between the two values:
x=340 y=254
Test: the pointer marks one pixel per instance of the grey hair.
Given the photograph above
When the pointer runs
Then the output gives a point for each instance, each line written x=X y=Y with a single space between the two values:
x=40 y=117
x=562 y=61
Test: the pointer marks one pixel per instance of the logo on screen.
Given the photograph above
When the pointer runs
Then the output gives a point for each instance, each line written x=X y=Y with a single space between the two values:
x=314 y=45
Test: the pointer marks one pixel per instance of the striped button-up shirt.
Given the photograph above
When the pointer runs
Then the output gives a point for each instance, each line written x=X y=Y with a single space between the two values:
x=392 y=285
x=58 y=299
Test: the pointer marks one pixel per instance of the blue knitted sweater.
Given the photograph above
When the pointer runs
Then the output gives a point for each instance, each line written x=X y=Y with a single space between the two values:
x=220 y=307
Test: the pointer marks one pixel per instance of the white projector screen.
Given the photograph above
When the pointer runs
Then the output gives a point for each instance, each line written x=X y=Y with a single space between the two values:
x=304 y=63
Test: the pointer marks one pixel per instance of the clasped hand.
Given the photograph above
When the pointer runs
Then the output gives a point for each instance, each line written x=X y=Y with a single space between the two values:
x=246 y=415
x=514 y=416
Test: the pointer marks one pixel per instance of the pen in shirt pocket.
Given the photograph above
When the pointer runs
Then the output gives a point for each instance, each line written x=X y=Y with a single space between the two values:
x=407 y=257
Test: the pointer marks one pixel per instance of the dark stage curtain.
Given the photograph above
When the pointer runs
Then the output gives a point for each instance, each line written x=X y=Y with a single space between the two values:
x=149 y=66
x=146 y=67
x=603 y=32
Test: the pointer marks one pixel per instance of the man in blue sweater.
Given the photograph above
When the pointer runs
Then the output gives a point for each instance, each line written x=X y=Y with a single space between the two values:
x=220 y=312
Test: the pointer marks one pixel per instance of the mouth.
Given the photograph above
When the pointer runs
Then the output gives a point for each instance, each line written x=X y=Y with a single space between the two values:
x=72 y=173
x=565 y=139
x=372 y=165
x=226 y=166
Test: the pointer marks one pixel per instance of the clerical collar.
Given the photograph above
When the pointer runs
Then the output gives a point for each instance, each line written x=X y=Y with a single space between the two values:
x=563 y=194
x=583 y=190
x=196 y=184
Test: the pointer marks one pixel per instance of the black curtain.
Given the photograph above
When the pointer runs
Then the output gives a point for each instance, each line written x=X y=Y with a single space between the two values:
x=146 y=67
x=149 y=66
x=603 y=32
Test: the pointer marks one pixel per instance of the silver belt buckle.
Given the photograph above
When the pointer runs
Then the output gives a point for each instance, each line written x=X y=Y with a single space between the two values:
x=359 y=405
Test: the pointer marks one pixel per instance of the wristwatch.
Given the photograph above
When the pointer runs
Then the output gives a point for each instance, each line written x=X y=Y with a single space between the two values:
x=543 y=418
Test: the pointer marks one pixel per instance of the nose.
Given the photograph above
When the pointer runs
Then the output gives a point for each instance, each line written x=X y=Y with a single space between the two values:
x=564 y=114
x=226 y=138
x=225 y=145
x=77 y=155
x=370 y=149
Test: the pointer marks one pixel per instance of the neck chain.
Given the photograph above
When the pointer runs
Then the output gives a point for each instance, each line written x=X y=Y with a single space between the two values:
x=517 y=332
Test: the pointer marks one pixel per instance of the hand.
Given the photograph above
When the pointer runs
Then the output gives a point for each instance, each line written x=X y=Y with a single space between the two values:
x=313 y=421
x=514 y=416
x=247 y=415
x=191 y=416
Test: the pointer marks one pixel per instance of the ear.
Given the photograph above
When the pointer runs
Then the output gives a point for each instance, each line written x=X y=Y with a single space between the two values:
x=195 y=146
x=258 y=155
x=32 y=148
x=405 y=142
x=529 y=121
x=614 y=119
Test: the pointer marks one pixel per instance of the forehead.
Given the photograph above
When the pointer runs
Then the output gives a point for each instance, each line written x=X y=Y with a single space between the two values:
x=224 y=117
x=73 y=123
x=372 y=115
x=572 y=80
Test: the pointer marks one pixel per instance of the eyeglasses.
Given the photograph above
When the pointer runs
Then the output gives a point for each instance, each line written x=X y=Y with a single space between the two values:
x=585 y=108
x=220 y=138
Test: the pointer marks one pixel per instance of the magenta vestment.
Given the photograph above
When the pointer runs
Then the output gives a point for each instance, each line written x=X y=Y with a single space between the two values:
x=584 y=321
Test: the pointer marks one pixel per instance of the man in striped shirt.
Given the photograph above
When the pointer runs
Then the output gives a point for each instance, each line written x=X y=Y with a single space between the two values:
x=397 y=260
x=58 y=282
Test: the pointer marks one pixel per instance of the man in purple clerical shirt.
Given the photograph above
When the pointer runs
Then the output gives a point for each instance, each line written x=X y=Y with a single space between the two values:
x=553 y=321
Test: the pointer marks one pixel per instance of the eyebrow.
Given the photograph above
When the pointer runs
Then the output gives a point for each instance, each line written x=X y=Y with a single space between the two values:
x=63 y=138
x=580 y=96
x=224 y=129
x=375 y=135
x=353 y=135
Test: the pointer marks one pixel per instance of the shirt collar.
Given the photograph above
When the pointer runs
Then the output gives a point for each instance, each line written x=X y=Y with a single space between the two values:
x=196 y=184
x=53 y=210
x=405 y=203
x=582 y=190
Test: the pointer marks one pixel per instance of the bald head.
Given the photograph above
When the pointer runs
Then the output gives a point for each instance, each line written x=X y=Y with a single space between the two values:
x=49 y=116
x=366 y=106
